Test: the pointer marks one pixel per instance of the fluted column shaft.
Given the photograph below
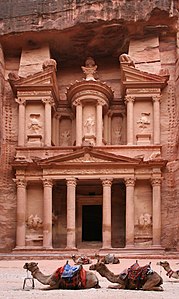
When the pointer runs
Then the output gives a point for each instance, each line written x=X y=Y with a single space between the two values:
x=71 y=211
x=21 y=212
x=156 y=185
x=78 y=123
x=130 y=182
x=109 y=129
x=130 y=119
x=107 y=213
x=156 y=111
x=48 y=122
x=99 y=125
x=47 y=213
x=21 y=130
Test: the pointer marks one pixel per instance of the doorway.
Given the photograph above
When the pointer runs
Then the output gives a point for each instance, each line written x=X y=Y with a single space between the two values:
x=92 y=223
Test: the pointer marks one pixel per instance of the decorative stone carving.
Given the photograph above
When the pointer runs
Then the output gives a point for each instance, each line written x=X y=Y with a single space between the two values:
x=89 y=125
x=125 y=58
x=34 y=222
x=144 y=120
x=49 y=63
x=89 y=69
x=145 y=220
x=117 y=135
x=65 y=137
x=34 y=125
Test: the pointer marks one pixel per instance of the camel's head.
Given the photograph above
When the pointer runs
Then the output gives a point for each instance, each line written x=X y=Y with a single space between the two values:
x=97 y=266
x=30 y=266
x=163 y=264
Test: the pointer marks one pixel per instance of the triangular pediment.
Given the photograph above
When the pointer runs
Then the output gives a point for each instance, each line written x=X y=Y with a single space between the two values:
x=43 y=80
x=86 y=156
x=132 y=77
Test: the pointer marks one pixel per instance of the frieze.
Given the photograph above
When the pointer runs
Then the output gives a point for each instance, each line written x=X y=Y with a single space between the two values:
x=33 y=93
x=143 y=90
x=76 y=171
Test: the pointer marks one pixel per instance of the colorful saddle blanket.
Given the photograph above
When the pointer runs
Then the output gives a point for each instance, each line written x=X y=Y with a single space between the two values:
x=70 y=277
x=135 y=272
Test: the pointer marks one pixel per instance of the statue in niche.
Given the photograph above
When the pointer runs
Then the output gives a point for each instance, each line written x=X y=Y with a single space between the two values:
x=89 y=69
x=34 y=222
x=34 y=125
x=117 y=135
x=145 y=220
x=89 y=125
x=144 y=120
x=65 y=137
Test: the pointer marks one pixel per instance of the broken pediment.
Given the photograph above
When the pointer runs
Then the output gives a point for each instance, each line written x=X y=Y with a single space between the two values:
x=88 y=155
x=134 y=78
x=44 y=80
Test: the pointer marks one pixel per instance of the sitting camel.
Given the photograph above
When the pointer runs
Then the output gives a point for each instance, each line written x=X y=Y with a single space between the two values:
x=170 y=272
x=82 y=260
x=135 y=277
x=108 y=259
x=86 y=279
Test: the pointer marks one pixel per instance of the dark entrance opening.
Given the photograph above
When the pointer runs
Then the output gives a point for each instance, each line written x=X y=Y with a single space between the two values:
x=92 y=223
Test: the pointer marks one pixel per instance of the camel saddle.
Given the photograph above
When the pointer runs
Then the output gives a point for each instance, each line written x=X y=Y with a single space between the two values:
x=70 y=277
x=136 y=273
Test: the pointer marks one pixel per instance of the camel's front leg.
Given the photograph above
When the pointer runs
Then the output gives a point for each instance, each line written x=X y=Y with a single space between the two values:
x=118 y=286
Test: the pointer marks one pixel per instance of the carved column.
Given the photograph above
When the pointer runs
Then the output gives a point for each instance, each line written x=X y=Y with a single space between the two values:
x=47 y=213
x=130 y=182
x=107 y=213
x=21 y=212
x=78 y=105
x=71 y=211
x=130 y=119
x=106 y=128
x=109 y=127
x=156 y=112
x=21 y=130
x=156 y=217
x=48 y=122
x=99 y=124
x=57 y=129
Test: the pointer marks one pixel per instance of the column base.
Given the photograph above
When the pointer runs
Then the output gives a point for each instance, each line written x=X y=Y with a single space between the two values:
x=71 y=249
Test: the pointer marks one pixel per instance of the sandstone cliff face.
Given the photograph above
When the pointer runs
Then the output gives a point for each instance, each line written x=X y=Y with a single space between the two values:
x=74 y=29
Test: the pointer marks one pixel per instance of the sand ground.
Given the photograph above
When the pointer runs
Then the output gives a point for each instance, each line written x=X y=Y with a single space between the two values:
x=12 y=276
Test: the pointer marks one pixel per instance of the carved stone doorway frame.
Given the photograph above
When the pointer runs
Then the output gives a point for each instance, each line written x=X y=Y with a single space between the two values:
x=82 y=201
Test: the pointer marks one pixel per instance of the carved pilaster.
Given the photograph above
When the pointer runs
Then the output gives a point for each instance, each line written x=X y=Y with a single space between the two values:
x=156 y=113
x=130 y=118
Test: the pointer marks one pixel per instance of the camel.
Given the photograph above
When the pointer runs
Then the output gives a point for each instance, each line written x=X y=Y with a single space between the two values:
x=170 y=273
x=87 y=279
x=82 y=260
x=107 y=259
x=148 y=280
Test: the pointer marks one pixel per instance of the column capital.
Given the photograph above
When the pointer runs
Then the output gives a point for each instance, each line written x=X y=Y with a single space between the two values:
x=130 y=182
x=20 y=101
x=48 y=101
x=71 y=182
x=129 y=98
x=156 y=98
x=101 y=102
x=77 y=102
x=106 y=182
x=156 y=181
x=21 y=182
x=47 y=182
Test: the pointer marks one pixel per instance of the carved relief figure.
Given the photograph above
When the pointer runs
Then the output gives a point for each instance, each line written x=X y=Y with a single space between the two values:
x=34 y=125
x=89 y=69
x=65 y=137
x=144 y=120
x=89 y=125
x=34 y=222
x=145 y=220
x=117 y=135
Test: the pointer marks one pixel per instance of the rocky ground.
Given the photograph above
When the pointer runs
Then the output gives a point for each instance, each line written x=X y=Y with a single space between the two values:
x=12 y=276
